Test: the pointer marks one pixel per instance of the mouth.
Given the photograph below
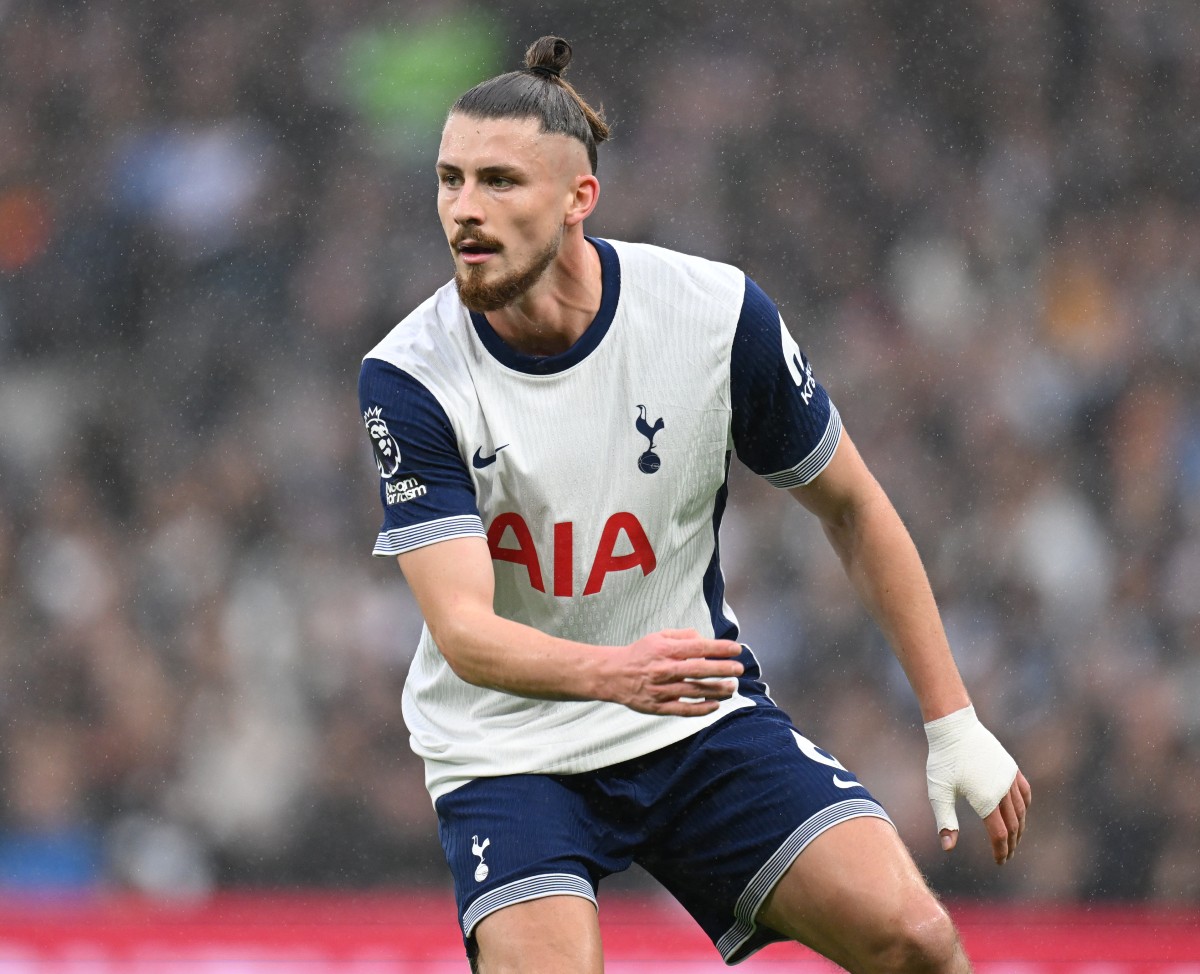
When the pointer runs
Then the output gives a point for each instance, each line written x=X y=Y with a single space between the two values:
x=474 y=252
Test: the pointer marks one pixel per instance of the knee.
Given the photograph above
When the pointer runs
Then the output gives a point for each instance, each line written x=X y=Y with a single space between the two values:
x=921 y=941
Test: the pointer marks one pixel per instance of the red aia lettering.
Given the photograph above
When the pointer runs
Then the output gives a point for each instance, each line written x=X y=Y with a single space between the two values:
x=564 y=559
x=606 y=559
x=523 y=554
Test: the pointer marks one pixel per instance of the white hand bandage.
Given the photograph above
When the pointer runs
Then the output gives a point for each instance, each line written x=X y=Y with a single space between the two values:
x=965 y=759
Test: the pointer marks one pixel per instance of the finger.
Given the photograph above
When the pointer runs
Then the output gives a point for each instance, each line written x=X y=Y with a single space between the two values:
x=949 y=839
x=695 y=647
x=686 y=708
x=672 y=686
x=1012 y=824
x=1023 y=787
x=1019 y=806
x=725 y=684
x=690 y=689
x=680 y=634
x=695 y=668
x=998 y=833
x=707 y=669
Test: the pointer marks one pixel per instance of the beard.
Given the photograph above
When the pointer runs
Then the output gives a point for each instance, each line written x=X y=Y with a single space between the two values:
x=482 y=296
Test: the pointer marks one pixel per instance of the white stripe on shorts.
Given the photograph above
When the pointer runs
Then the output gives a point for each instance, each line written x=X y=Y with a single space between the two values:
x=756 y=891
x=521 y=890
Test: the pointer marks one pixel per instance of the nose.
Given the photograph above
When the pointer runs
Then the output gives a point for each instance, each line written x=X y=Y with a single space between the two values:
x=467 y=207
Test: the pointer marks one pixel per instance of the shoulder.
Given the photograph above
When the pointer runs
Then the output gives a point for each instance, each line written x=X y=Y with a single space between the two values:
x=429 y=333
x=653 y=269
x=420 y=371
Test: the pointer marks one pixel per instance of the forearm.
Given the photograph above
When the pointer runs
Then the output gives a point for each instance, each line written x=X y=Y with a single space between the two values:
x=885 y=569
x=965 y=759
x=672 y=672
x=882 y=562
x=490 y=651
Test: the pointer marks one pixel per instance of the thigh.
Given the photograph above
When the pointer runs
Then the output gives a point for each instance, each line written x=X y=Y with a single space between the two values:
x=748 y=796
x=521 y=839
x=856 y=896
x=544 y=936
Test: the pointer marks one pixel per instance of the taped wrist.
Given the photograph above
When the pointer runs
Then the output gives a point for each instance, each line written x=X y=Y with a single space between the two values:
x=966 y=760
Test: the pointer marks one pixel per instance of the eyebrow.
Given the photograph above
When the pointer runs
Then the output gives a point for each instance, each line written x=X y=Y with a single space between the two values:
x=496 y=170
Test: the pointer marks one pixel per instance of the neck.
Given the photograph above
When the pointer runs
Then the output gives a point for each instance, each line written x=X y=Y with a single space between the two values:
x=556 y=311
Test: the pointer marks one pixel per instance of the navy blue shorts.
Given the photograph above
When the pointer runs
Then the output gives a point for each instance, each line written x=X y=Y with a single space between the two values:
x=716 y=818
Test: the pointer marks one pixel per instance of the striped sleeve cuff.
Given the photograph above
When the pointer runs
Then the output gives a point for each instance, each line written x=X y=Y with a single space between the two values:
x=807 y=469
x=399 y=540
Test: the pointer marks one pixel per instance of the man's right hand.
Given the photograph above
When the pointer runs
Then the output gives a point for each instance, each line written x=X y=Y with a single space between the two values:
x=675 y=672
x=663 y=673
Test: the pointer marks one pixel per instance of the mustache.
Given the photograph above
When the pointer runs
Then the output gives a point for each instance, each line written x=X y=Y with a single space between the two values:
x=476 y=235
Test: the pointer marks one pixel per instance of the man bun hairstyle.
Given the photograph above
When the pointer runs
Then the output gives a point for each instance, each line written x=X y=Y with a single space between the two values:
x=539 y=91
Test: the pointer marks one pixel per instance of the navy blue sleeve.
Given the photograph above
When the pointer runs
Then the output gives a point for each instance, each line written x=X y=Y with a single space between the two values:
x=784 y=426
x=426 y=490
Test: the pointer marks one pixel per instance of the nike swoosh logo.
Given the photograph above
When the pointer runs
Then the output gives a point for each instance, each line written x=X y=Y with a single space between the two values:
x=845 y=784
x=479 y=461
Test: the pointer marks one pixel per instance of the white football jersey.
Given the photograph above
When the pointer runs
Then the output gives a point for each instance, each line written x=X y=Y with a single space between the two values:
x=597 y=476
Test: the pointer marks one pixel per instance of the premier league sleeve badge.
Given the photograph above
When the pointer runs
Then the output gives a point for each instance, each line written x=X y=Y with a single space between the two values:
x=383 y=444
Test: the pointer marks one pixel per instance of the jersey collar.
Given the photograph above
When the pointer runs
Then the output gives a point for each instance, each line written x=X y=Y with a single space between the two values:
x=505 y=354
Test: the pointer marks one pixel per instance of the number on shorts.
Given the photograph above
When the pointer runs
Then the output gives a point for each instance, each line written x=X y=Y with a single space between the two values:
x=810 y=750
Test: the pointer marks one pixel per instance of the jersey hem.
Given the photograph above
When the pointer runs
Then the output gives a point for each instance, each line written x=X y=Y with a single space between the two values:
x=452 y=775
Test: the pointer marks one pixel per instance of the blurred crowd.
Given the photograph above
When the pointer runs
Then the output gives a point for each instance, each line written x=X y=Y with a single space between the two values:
x=978 y=217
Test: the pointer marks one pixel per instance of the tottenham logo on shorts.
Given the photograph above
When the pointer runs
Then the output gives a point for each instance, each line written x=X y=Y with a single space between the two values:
x=387 y=451
x=481 y=871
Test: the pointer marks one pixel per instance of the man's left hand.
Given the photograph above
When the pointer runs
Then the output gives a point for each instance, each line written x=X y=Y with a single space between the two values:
x=965 y=759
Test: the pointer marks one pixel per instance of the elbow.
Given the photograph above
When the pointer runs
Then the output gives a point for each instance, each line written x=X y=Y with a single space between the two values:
x=452 y=634
x=457 y=664
x=858 y=515
x=842 y=527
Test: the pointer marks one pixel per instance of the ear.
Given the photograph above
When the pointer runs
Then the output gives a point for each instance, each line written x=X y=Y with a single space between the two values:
x=585 y=194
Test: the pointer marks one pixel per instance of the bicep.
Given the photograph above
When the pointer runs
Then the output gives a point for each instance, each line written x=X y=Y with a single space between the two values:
x=843 y=487
x=451 y=580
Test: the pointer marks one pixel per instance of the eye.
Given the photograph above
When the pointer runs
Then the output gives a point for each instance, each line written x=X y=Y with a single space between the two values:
x=450 y=180
x=500 y=182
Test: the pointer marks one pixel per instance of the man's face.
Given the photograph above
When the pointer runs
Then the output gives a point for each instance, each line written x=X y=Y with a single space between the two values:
x=504 y=190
